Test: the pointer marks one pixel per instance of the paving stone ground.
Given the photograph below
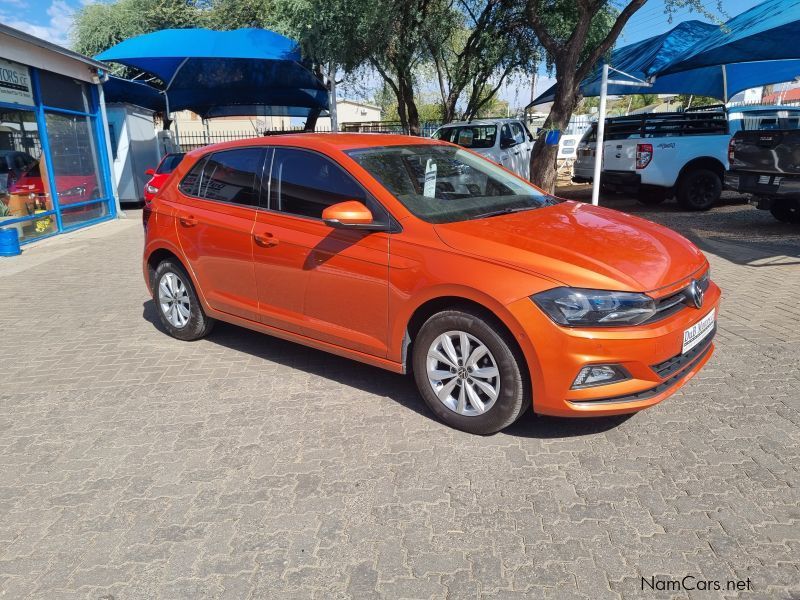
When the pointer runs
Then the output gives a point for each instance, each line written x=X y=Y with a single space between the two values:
x=133 y=465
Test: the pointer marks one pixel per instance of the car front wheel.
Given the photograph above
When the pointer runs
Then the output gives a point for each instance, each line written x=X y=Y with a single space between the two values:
x=469 y=372
x=178 y=306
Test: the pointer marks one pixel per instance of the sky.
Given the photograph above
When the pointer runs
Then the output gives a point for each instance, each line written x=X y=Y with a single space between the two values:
x=51 y=20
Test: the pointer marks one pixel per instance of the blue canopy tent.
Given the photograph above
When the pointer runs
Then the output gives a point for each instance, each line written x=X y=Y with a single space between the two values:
x=754 y=48
x=222 y=73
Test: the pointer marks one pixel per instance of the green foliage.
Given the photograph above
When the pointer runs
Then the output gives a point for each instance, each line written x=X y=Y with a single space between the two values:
x=97 y=27
x=237 y=14
x=688 y=100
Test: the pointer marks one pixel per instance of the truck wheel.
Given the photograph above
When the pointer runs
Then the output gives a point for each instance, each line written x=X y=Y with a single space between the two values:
x=786 y=211
x=699 y=189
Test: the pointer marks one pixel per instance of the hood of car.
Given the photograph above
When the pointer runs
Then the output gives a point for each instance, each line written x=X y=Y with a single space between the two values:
x=580 y=245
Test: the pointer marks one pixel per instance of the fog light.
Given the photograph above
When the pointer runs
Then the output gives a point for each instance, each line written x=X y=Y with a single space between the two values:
x=593 y=375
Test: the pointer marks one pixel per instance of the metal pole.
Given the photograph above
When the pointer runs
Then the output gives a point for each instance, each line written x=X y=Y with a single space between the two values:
x=601 y=129
x=110 y=157
x=332 y=111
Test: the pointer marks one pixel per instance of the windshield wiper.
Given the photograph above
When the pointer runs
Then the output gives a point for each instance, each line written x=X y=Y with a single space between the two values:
x=502 y=211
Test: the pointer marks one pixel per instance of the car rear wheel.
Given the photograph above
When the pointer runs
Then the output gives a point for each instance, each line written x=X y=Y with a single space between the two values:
x=178 y=306
x=469 y=372
x=786 y=211
x=699 y=189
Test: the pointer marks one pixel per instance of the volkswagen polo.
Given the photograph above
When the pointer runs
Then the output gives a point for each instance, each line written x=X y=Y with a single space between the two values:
x=421 y=257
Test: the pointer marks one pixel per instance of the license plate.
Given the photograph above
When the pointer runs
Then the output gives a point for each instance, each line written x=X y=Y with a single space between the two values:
x=698 y=332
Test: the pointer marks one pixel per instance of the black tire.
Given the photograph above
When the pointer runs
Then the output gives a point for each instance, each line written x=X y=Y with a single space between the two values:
x=699 y=189
x=198 y=325
x=513 y=398
x=786 y=211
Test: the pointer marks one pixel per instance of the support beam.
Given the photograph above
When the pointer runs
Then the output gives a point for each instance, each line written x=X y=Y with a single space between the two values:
x=601 y=129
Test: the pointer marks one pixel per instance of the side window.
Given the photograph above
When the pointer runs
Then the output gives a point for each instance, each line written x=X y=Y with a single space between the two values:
x=505 y=132
x=191 y=181
x=305 y=183
x=233 y=176
x=519 y=135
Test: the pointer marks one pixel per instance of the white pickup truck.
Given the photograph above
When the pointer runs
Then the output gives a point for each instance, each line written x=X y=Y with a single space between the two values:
x=504 y=141
x=660 y=155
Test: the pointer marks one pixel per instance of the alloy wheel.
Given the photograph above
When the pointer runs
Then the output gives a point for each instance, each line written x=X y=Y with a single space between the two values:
x=174 y=300
x=463 y=373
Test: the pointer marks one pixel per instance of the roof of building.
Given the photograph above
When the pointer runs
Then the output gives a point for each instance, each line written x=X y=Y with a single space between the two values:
x=30 y=39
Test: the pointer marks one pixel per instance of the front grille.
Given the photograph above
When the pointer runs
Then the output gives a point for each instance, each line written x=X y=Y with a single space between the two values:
x=676 y=302
x=676 y=363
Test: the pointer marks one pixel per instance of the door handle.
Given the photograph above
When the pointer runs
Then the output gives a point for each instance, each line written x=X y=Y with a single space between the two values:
x=265 y=240
x=188 y=220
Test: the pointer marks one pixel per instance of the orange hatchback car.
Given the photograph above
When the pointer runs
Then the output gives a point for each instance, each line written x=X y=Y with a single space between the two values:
x=417 y=255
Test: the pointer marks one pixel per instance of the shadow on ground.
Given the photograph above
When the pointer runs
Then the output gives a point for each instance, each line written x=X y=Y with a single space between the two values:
x=399 y=388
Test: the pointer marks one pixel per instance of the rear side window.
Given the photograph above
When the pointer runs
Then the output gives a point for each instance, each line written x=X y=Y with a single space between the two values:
x=229 y=176
x=305 y=183
x=191 y=181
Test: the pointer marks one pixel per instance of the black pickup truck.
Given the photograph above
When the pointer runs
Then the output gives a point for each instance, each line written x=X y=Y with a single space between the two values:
x=766 y=164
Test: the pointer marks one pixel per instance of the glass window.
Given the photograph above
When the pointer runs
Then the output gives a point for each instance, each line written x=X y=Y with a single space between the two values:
x=75 y=156
x=24 y=193
x=63 y=92
x=169 y=162
x=190 y=185
x=442 y=184
x=305 y=183
x=517 y=133
x=233 y=176
x=72 y=216
x=469 y=136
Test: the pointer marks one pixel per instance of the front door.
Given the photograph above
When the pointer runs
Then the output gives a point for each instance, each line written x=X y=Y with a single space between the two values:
x=215 y=220
x=328 y=284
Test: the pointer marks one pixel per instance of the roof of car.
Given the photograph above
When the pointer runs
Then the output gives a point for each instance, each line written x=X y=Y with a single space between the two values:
x=328 y=141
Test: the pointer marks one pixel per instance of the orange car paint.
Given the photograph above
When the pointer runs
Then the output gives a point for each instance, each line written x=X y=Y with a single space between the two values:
x=354 y=293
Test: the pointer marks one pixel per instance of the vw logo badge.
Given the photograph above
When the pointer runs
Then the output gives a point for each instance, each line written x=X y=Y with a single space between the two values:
x=696 y=294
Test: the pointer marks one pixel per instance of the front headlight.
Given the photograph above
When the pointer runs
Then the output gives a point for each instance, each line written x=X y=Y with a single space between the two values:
x=78 y=190
x=575 y=307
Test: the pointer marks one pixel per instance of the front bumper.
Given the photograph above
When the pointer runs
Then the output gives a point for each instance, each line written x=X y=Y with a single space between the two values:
x=651 y=353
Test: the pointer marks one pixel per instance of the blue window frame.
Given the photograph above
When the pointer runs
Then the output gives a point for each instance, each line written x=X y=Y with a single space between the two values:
x=78 y=172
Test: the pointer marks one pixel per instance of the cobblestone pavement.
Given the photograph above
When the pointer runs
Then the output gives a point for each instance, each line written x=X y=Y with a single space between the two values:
x=134 y=466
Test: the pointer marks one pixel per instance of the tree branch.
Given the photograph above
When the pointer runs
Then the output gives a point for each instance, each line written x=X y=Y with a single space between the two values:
x=610 y=38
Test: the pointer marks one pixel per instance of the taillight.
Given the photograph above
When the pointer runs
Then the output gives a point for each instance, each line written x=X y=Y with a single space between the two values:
x=644 y=154
x=730 y=151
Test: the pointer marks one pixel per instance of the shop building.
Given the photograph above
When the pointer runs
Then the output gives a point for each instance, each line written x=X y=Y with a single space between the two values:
x=54 y=144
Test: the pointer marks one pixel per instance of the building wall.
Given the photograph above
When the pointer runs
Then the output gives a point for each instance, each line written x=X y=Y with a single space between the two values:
x=348 y=111
x=190 y=123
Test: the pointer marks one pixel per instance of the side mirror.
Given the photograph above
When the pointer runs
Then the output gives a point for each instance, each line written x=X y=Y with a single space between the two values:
x=150 y=172
x=350 y=214
x=507 y=142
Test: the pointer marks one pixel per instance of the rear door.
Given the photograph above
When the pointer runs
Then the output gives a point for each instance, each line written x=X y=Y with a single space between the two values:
x=214 y=222
x=522 y=151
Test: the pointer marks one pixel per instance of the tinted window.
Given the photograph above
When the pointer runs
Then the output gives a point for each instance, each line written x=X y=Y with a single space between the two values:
x=305 y=183
x=169 y=163
x=64 y=92
x=469 y=136
x=191 y=182
x=519 y=135
x=233 y=176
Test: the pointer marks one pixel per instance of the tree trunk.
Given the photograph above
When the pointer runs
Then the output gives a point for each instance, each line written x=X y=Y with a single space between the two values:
x=407 y=100
x=543 y=157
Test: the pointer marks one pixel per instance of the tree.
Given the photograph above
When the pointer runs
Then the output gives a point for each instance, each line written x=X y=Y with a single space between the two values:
x=480 y=47
x=576 y=34
x=97 y=27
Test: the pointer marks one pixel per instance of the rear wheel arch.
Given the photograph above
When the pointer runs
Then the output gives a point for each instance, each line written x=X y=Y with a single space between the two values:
x=162 y=253
x=703 y=162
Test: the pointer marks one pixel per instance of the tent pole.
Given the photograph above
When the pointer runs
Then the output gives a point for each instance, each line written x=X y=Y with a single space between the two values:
x=725 y=84
x=601 y=129
x=334 y=117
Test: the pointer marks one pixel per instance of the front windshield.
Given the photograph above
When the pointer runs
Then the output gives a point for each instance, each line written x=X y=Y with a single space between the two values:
x=469 y=136
x=442 y=184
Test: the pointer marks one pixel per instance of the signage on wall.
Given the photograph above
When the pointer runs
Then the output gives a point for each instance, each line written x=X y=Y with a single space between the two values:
x=15 y=83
